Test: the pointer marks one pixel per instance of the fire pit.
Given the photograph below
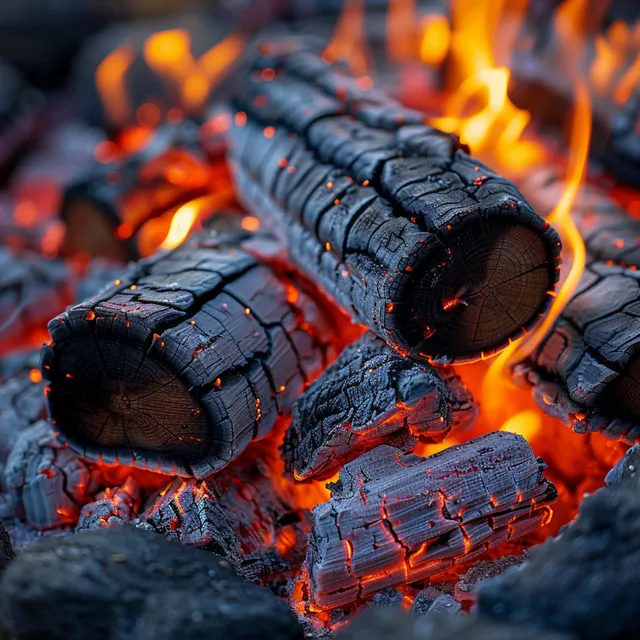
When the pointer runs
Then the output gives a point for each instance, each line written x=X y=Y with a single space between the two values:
x=321 y=319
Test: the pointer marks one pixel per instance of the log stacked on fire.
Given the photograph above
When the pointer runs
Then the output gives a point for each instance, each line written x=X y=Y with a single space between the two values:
x=586 y=370
x=427 y=247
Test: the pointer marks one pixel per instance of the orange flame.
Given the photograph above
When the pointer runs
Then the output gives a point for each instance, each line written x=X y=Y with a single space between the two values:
x=435 y=39
x=348 y=42
x=109 y=79
x=401 y=41
x=168 y=53
x=495 y=132
x=497 y=379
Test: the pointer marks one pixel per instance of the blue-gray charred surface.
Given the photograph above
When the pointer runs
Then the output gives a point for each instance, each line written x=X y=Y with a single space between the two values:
x=239 y=513
x=586 y=371
x=563 y=585
x=187 y=357
x=367 y=396
x=417 y=240
x=396 y=518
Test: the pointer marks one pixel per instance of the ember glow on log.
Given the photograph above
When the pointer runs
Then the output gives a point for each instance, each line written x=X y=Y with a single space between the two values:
x=294 y=374
x=443 y=258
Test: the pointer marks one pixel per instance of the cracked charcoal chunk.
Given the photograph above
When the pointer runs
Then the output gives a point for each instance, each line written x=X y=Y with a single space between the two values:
x=369 y=394
x=395 y=518
x=95 y=204
x=586 y=371
x=431 y=600
x=393 y=624
x=188 y=357
x=112 y=507
x=45 y=480
x=239 y=514
x=415 y=239
x=627 y=467
x=6 y=549
x=98 y=584
x=586 y=581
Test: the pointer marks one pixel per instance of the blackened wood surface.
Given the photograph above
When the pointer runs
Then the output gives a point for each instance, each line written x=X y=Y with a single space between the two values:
x=627 y=468
x=395 y=518
x=367 y=396
x=562 y=586
x=184 y=360
x=586 y=371
x=170 y=170
x=240 y=514
x=417 y=240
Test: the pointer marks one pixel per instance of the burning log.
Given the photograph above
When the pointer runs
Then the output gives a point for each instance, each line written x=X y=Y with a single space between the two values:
x=562 y=587
x=585 y=371
x=239 y=514
x=397 y=518
x=427 y=247
x=211 y=325
x=367 y=396
x=46 y=480
x=112 y=507
x=104 y=209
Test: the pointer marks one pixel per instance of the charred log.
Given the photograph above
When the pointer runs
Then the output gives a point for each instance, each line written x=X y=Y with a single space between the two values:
x=46 y=481
x=100 y=584
x=212 y=327
x=627 y=468
x=239 y=514
x=104 y=209
x=113 y=507
x=601 y=547
x=418 y=241
x=395 y=518
x=586 y=371
x=367 y=396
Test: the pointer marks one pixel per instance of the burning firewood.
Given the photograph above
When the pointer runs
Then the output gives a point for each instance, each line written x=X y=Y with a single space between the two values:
x=585 y=582
x=104 y=209
x=188 y=357
x=397 y=518
x=240 y=514
x=367 y=396
x=417 y=240
x=585 y=371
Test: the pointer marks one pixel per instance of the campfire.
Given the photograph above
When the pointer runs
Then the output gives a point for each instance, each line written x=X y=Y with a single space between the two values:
x=340 y=298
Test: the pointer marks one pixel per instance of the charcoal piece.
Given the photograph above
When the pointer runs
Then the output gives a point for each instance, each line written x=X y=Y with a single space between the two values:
x=396 y=518
x=369 y=394
x=586 y=581
x=240 y=514
x=627 y=467
x=113 y=507
x=621 y=154
x=386 y=598
x=585 y=371
x=6 y=549
x=431 y=601
x=105 y=207
x=99 y=583
x=418 y=241
x=467 y=584
x=187 y=357
x=393 y=624
x=21 y=399
x=46 y=481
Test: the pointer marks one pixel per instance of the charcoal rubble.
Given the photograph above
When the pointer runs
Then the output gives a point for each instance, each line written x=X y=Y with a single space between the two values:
x=101 y=584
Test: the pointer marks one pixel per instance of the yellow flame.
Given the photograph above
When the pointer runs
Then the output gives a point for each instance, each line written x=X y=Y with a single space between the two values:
x=348 y=41
x=168 y=53
x=526 y=423
x=435 y=39
x=497 y=380
x=494 y=132
x=109 y=79
x=185 y=217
